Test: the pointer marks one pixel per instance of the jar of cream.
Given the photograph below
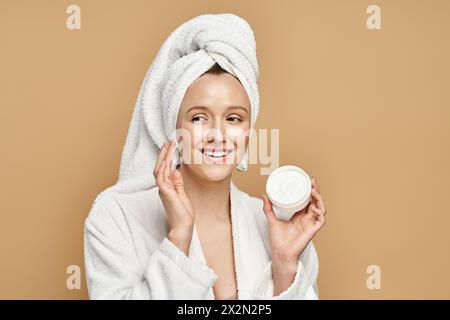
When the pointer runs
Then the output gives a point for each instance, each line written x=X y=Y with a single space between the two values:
x=289 y=190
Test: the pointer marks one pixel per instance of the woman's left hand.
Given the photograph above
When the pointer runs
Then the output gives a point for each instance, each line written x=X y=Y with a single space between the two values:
x=289 y=238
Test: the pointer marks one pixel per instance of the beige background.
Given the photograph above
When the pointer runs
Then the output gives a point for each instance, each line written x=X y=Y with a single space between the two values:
x=366 y=112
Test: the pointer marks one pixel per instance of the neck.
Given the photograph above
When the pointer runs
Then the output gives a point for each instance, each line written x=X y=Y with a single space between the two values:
x=210 y=199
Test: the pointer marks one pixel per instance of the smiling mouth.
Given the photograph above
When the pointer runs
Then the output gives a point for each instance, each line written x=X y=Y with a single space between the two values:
x=216 y=153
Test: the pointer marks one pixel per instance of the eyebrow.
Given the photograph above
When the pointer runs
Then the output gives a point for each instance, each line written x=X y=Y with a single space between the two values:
x=206 y=108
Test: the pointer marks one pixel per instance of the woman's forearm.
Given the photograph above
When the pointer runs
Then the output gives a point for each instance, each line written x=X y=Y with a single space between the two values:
x=283 y=274
x=181 y=238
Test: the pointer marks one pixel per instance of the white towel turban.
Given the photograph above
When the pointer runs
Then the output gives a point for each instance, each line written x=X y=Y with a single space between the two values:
x=191 y=50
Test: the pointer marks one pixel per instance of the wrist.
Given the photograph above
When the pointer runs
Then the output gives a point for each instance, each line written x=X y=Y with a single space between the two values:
x=181 y=238
x=283 y=274
x=283 y=269
x=281 y=258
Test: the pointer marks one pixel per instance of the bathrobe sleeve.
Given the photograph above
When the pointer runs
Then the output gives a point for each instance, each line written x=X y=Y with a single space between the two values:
x=114 y=271
x=304 y=286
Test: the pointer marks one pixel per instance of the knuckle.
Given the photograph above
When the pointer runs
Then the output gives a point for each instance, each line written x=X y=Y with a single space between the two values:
x=178 y=184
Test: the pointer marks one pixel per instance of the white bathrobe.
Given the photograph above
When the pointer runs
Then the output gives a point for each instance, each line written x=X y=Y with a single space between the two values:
x=128 y=256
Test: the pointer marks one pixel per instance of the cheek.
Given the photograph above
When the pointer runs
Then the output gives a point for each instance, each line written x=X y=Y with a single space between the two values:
x=189 y=140
x=185 y=135
x=238 y=136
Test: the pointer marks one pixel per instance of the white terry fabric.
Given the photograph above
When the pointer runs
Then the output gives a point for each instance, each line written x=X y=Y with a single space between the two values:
x=128 y=255
x=192 y=49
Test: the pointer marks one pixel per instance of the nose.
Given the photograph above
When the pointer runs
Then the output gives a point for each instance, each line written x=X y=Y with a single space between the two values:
x=216 y=133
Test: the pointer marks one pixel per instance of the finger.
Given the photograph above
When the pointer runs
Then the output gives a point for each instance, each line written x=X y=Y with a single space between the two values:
x=312 y=200
x=178 y=183
x=297 y=215
x=267 y=203
x=268 y=210
x=162 y=155
x=319 y=201
x=167 y=173
x=315 y=184
x=160 y=175
x=171 y=147
x=315 y=210
x=318 y=215
x=310 y=204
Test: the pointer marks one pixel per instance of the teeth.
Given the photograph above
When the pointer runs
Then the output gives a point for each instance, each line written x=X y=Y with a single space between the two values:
x=216 y=154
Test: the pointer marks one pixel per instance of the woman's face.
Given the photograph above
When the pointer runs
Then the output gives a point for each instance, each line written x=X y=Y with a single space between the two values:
x=213 y=123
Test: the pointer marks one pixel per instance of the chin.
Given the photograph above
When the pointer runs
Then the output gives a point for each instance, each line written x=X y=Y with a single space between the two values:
x=214 y=172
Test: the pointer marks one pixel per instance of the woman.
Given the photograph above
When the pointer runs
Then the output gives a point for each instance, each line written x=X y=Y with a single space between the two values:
x=190 y=233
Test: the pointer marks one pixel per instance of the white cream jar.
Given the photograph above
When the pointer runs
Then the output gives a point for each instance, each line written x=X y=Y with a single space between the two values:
x=289 y=190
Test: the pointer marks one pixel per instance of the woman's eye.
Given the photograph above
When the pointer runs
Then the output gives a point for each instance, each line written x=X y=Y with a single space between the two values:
x=198 y=119
x=234 y=119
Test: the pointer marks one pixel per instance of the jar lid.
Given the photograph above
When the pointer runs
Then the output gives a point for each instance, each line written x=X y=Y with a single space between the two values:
x=288 y=185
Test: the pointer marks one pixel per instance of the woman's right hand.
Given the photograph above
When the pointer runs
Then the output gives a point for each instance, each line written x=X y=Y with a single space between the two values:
x=179 y=210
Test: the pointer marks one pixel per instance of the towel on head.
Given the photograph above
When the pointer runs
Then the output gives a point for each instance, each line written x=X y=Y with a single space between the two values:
x=191 y=50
